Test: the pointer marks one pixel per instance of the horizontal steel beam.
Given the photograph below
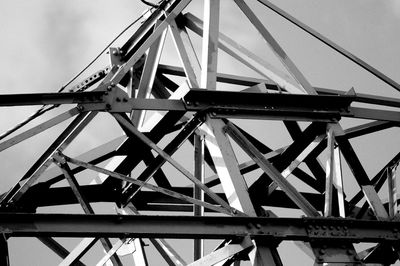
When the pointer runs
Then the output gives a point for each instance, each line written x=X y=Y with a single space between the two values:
x=219 y=103
x=50 y=98
x=303 y=229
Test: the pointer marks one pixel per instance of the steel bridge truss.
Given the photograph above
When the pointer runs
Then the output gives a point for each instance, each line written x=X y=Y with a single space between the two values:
x=158 y=116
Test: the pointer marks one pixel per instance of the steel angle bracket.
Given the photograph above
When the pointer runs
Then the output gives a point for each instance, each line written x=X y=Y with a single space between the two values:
x=326 y=248
x=269 y=105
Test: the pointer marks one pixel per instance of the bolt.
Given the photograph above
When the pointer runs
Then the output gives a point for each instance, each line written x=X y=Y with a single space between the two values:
x=115 y=52
x=109 y=88
x=118 y=99
x=322 y=251
x=80 y=108
x=124 y=100
x=258 y=226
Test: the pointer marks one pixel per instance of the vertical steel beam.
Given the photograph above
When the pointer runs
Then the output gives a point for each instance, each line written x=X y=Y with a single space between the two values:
x=338 y=182
x=330 y=172
x=276 y=48
x=210 y=45
x=4 y=259
x=392 y=187
x=198 y=193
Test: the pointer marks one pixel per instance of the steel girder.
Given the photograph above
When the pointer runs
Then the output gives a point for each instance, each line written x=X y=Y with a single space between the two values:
x=159 y=114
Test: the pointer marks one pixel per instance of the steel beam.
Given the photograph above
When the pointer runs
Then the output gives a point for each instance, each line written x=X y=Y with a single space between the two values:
x=198 y=245
x=276 y=48
x=332 y=45
x=50 y=98
x=210 y=45
x=76 y=126
x=57 y=248
x=4 y=257
x=303 y=229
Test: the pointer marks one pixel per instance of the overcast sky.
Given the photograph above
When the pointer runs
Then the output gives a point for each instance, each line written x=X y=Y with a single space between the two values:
x=45 y=42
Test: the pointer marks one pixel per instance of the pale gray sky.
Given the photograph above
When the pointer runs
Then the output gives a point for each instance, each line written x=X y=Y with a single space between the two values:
x=44 y=43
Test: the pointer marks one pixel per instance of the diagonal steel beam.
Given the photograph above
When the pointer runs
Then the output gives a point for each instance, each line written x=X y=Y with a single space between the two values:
x=168 y=158
x=83 y=202
x=271 y=171
x=66 y=137
x=276 y=48
x=331 y=44
x=151 y=187
x=38 y=129
x=57 y=248
x=130 y=191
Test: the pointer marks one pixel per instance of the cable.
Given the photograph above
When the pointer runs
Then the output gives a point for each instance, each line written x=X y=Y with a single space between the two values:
x=43 y=109
x=34 y=115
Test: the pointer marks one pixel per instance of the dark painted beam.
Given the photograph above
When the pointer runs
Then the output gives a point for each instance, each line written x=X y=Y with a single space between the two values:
x=304 y=229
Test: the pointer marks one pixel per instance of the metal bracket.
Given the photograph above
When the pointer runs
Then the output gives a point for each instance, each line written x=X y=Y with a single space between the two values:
x=334 y=252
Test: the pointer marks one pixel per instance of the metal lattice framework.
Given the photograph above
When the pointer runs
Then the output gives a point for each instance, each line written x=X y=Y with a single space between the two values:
x=236 y=203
